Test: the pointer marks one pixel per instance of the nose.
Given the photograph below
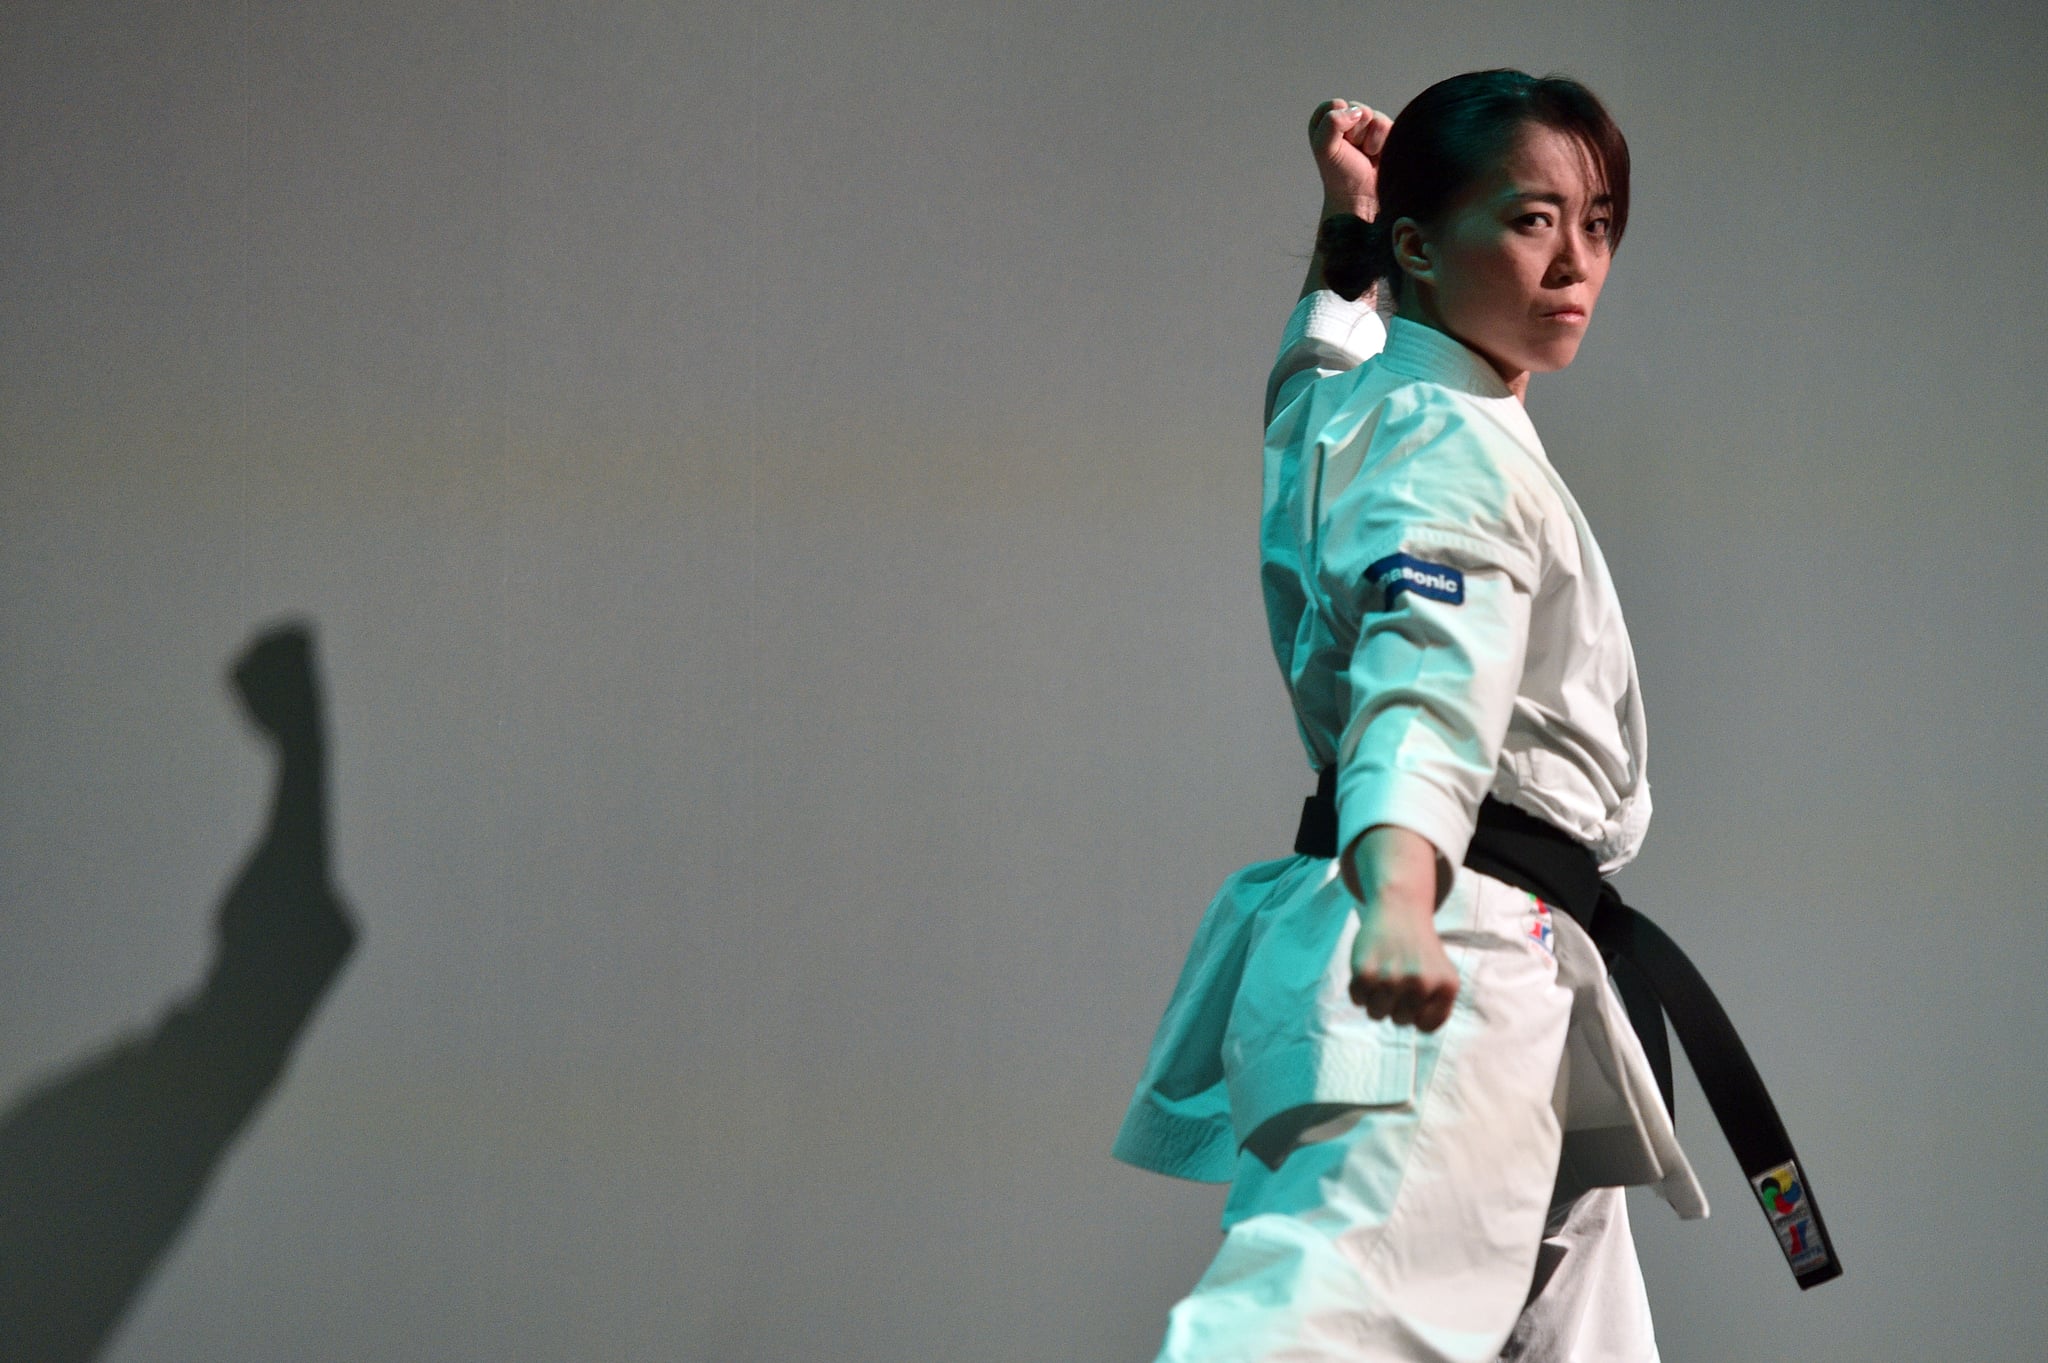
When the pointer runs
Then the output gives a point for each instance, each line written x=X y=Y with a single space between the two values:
x=1569 y=266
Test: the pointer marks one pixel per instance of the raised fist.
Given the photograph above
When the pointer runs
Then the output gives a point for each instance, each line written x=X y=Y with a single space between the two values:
x=1346 y=137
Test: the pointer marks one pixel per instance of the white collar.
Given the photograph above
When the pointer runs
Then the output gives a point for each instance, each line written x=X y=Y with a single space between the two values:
x=1423 y=352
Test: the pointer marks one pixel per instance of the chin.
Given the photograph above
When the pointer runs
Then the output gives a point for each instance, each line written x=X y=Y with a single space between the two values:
x=1549 y=359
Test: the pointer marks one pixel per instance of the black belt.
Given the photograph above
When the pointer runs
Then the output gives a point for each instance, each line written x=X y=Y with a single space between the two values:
x=1655 y=980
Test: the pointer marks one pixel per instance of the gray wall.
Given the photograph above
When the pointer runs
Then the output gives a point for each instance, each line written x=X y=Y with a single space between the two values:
x=777 y=488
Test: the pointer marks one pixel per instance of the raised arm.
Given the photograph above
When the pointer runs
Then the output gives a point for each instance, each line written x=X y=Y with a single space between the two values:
x=1346 y=137
x=1329 y=334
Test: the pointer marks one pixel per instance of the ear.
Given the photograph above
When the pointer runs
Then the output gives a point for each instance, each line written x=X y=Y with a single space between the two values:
x=1412 y=251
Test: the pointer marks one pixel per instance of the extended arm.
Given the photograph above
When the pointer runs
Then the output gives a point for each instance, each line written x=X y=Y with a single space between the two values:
x=1399 y=968
x=1436 y=551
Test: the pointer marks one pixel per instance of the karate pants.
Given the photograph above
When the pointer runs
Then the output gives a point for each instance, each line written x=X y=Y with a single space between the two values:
x=1426 y=1230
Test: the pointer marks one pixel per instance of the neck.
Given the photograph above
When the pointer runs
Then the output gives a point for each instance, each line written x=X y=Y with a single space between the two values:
x=1419 y=306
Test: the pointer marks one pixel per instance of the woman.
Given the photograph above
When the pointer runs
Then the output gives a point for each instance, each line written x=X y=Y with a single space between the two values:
x=1416 y=1077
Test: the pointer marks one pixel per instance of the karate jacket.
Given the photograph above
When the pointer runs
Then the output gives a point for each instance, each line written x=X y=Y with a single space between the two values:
x=1447 y=628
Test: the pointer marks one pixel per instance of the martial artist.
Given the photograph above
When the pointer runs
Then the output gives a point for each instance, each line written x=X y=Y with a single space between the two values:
x=1417 y=1077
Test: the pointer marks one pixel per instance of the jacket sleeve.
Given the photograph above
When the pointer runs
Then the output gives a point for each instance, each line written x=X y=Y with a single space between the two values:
x=1327 y=334
x=1431 y=552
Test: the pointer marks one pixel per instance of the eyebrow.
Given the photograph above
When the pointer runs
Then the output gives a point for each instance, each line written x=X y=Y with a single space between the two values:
x=1548 y=197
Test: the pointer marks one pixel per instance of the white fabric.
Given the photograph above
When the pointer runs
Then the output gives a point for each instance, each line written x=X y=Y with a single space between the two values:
x=1589 y=1304
x=1416 y=1228
x=1527 y=688
x=1617 y=1132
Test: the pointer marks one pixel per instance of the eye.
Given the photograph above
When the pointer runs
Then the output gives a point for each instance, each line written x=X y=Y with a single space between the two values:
x=1602 y=228
x=1533 y=220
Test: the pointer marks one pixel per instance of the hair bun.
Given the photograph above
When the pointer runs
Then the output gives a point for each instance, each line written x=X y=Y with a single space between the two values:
x=1354 y=253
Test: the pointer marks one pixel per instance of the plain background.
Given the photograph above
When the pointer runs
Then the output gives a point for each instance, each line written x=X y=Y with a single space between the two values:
x=777 y=487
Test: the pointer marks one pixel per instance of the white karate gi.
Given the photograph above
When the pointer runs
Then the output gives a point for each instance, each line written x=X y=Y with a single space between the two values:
x=1447 y=628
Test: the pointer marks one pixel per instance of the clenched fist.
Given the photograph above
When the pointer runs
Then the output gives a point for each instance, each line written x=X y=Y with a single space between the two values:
x=1346 y=137
x=1399 y=968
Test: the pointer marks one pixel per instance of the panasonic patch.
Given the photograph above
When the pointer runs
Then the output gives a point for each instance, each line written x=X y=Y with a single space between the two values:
x=1397 y=573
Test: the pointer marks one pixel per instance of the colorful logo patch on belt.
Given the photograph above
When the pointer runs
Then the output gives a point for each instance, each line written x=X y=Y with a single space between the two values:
x=1540 y=930
x=1783 y=1194
x=1397 y=573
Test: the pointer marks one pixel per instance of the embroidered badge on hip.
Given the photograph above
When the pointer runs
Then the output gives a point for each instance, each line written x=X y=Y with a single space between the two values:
x=1784 y=1198
x=1540 y=930
x=1397 y=573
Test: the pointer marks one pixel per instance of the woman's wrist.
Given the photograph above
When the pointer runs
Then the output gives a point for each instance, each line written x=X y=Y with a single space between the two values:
x=1393 y=869
x=1336 y=205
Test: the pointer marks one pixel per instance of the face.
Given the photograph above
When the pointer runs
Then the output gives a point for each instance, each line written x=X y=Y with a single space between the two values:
x=1515 y=267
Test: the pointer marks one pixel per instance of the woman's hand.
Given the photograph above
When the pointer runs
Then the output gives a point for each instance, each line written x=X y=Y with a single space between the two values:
x=1347 y=137
x=1399 y=968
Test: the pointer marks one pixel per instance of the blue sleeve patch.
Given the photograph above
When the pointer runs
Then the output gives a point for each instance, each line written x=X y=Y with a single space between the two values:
x=1397 y=573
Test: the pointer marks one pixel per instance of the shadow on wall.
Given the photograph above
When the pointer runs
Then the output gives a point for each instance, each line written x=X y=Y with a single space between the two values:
x=101 y=1165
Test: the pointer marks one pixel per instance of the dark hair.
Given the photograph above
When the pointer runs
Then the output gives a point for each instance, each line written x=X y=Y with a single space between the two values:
x=1447 y=138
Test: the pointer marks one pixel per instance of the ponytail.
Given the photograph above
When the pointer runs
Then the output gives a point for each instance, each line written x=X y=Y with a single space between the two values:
x=1355 y=252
